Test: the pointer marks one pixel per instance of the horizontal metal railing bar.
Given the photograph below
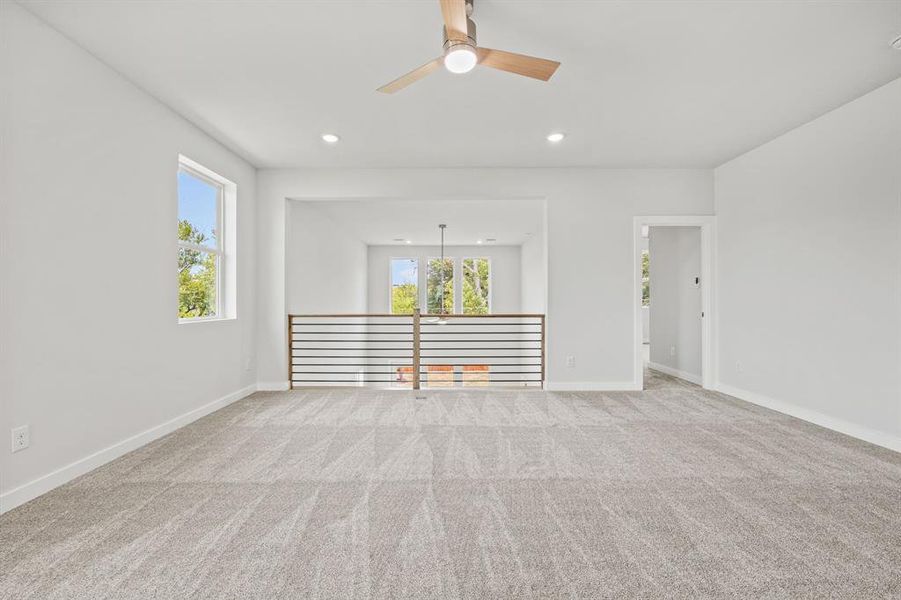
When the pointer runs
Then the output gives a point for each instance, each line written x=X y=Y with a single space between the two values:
x=443 y=333
x=472 y=374
x=446 y=356
x=351 y=381
x=355 y=341
x=341 y=356
x=436 y=327
x=347 y=349
x=410 y=333
x=481 y=348
x=424 y=316
x=409 y=382
x=344 y=349
x=474 y=380
x=407 y=325
x=458 y=364
x=410 y=366
x=409 y=341
x=406 y=348
x=409 y=370
x=474 y=324
x=392 y=373
x=383 y=341
x=352 y=333
x=436 y=330
x=491 y=316
x=519 y=352
x=350 y=316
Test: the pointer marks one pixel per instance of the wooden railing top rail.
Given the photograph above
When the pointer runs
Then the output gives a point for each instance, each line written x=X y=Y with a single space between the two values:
x=422 y=315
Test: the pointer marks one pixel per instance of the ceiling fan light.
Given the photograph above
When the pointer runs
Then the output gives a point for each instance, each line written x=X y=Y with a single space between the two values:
x=460 y=58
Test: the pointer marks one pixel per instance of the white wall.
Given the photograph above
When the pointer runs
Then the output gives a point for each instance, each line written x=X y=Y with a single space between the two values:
x=590 y=248
x=533 y=278
x=91 y=352
x=505 y=272
x=326 y=266
x=675 y=311
x=809 y=270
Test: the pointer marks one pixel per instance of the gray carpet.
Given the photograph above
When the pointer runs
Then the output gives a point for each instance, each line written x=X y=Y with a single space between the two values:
x=669 y=493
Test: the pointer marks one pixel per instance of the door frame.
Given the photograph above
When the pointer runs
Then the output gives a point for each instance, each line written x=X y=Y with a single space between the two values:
x=707 y=223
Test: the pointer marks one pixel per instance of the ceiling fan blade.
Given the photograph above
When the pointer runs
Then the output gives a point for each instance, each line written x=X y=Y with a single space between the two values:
x=454 y=12
x=411 y=77
x=529 y=66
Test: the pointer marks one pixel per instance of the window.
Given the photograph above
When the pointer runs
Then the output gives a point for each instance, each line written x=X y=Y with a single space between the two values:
x=437 y=273
x=202 y=251
x=404 y=285
x=476 y=286
x=645 y=278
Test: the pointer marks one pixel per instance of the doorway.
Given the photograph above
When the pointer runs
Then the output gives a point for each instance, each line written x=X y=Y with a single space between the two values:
x=673 y=320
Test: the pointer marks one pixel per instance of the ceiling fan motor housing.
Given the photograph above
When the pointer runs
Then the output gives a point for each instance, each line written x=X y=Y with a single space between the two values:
x=470 y=36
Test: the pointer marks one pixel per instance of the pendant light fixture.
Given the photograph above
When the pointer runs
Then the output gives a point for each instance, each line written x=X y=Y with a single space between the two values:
x=441 y=319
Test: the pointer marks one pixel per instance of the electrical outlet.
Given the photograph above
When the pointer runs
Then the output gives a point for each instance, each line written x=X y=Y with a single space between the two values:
x=740 y=368
x=20 y=438
x=672 y=350
x=570 y=362
x=248 y=363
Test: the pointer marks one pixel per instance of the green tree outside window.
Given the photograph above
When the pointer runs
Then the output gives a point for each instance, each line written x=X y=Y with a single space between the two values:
x=476 y=273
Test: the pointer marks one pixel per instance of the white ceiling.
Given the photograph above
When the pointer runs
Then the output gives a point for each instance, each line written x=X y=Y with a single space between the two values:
x=379 y=222
x=642 y=84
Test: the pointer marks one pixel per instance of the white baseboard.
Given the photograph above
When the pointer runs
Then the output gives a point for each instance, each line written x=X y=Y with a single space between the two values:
x=590 y=386
x=45 y=483
x=272 y=386
x=867 y=434
x=675 y=372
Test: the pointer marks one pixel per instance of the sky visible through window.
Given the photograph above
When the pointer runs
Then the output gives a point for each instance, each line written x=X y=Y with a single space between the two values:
x=403 y=271
x=197 y=204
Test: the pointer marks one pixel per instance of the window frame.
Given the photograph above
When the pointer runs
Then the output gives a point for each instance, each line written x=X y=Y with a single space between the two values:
x=391 y=260
x=490 y=281
x=188 y=166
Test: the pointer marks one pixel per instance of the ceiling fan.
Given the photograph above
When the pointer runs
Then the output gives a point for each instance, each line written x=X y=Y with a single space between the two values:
x=461 y=54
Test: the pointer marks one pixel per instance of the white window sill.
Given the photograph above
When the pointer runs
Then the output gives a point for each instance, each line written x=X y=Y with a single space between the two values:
x=206 y=320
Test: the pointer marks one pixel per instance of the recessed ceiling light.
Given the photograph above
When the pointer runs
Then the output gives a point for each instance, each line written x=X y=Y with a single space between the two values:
x=478 y=241
x=556 y=137
x=330 y=138
x=896 y=43
x=408 y=242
